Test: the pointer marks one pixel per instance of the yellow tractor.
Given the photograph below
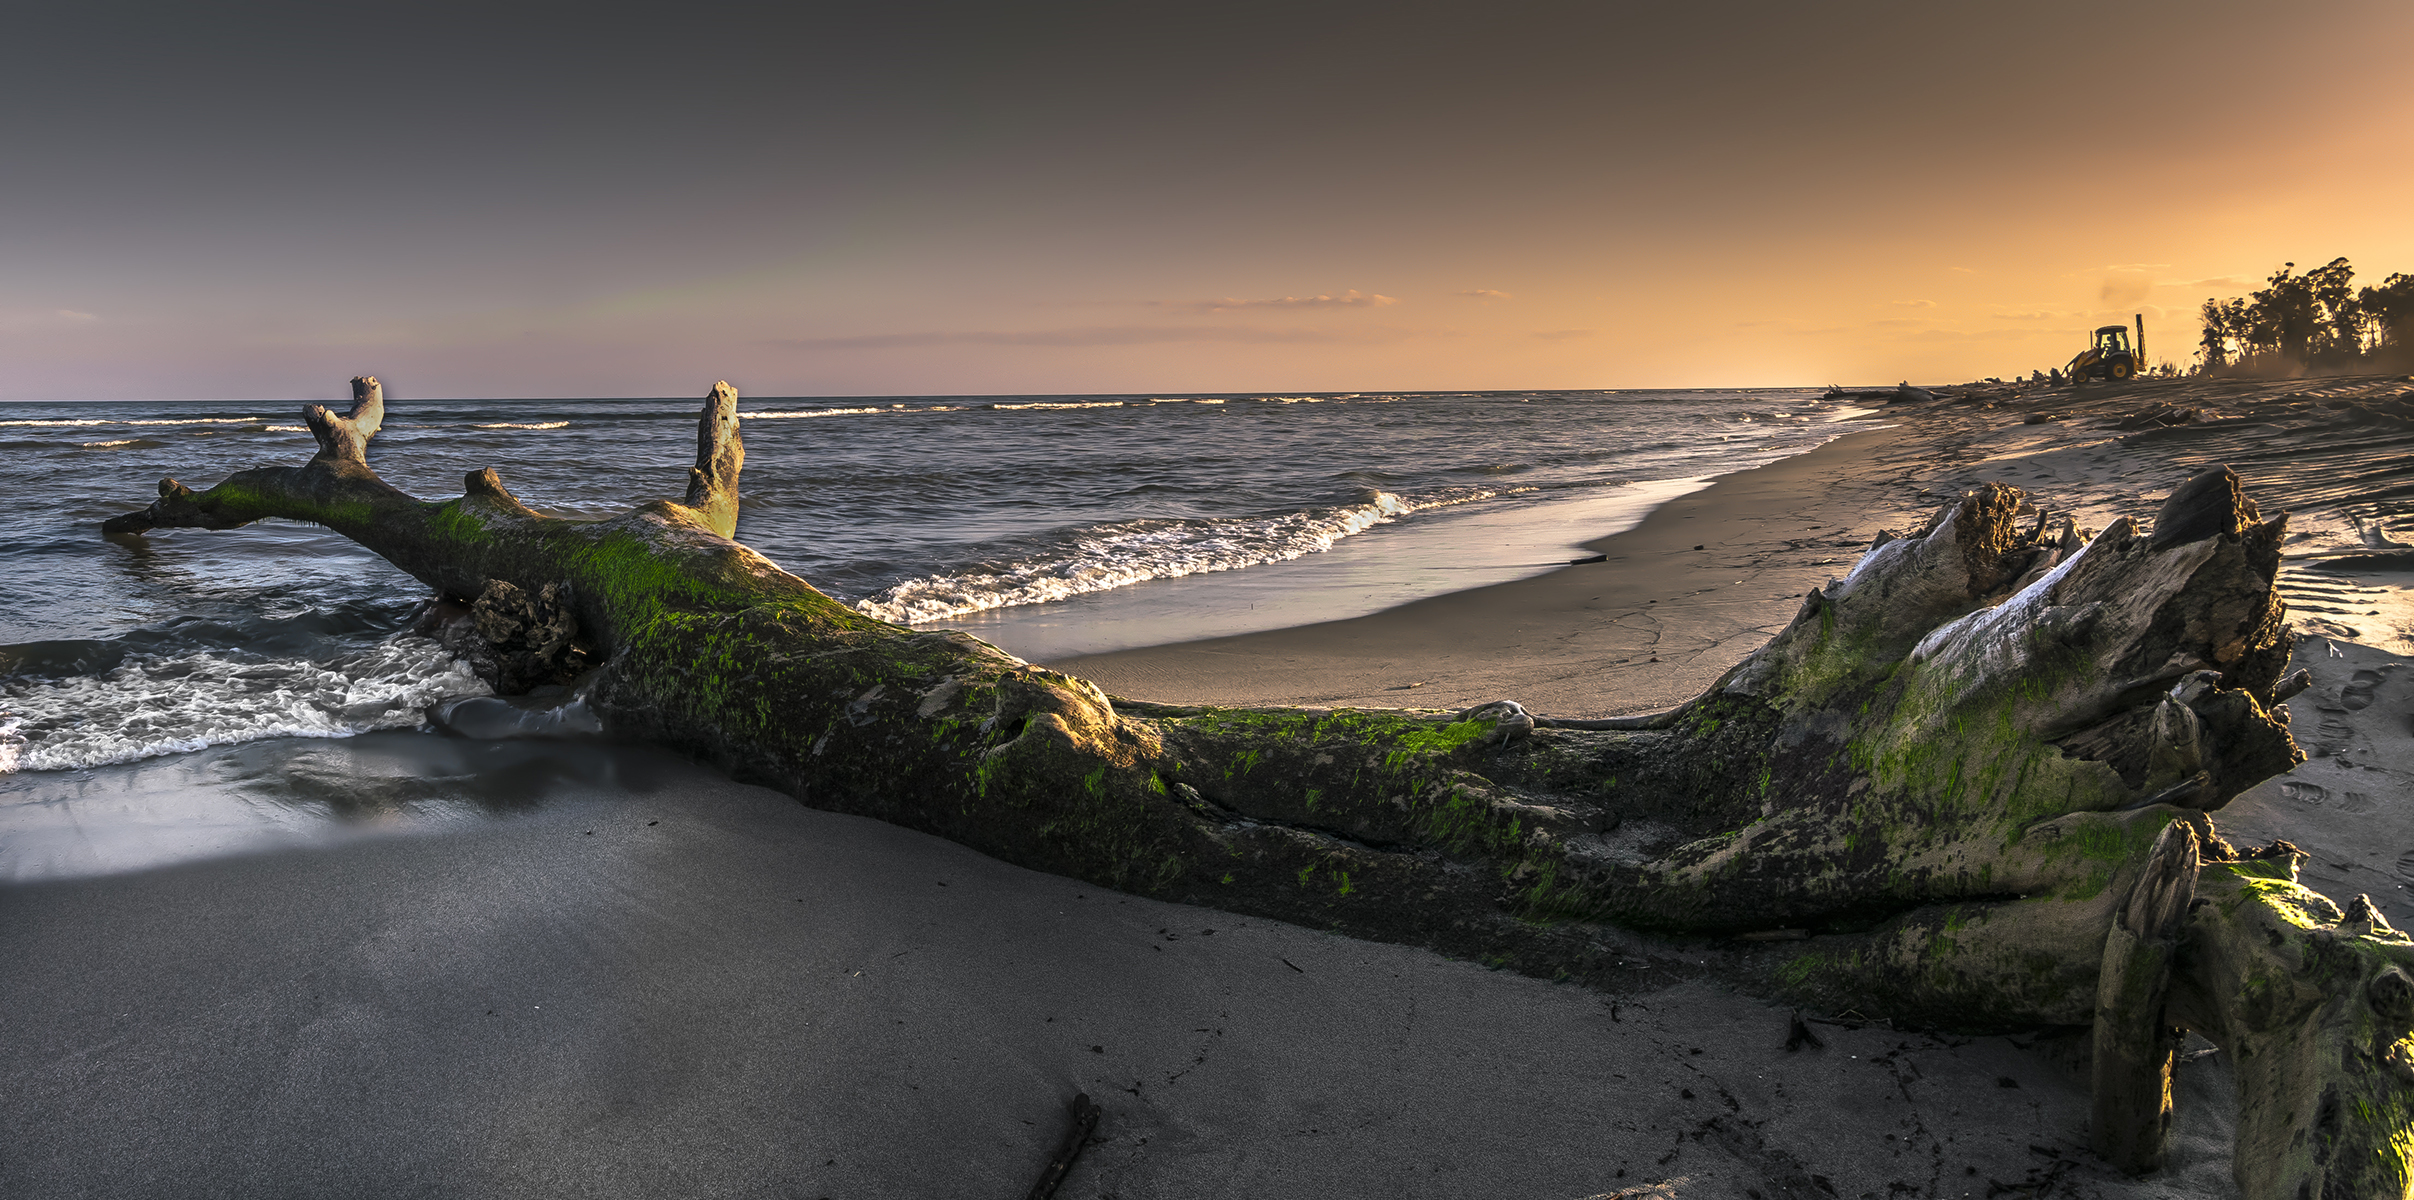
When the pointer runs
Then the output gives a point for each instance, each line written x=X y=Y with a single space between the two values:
x=2110 y=356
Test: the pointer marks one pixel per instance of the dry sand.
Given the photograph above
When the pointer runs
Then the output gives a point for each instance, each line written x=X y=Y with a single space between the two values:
x=704 y=990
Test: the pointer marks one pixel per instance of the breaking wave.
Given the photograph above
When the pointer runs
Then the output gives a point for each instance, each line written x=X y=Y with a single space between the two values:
x=69 y=422
x=1102 y=557
x=810 y=412
x=154 y=705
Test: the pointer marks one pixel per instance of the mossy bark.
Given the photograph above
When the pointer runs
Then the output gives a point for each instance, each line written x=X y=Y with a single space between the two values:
x=1938 y=784
x=2135 y=1043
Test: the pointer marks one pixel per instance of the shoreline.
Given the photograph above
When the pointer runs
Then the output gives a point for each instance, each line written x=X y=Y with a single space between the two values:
x=1649 y=628
x=1660 y=621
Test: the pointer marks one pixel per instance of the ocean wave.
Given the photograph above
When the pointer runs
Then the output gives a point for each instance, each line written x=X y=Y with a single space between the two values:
x=523 y=425
x=158 y=705
x=809 y=412
x=73 y=422
x=122 y=442
x=1055 y=404
x=1103 y=557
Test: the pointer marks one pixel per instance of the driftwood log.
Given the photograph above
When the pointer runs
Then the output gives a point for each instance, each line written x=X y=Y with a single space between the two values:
x=1966 y=786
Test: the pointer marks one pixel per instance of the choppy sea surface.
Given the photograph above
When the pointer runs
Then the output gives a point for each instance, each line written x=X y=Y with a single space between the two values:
x=1052 y=525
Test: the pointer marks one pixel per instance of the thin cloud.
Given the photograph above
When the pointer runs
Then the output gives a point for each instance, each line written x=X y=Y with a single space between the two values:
x=1900 y=322
x=1562 y=335
x=1483 y=294
x=1110 y=335
x=1963 y=335
x=1352 y=298
x=2034 y=314
x=1912 y=303
x=2218 y=281
x=73 y=315
x=2126 y=285
x=1964 y=270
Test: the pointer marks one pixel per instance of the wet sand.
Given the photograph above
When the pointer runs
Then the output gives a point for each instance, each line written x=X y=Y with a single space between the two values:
x=1702 y=581
x=691 y=987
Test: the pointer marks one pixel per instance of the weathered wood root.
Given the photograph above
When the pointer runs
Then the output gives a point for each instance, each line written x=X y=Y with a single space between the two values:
x=2315 y=1007
x=2135 y=1045
x=1947 y=776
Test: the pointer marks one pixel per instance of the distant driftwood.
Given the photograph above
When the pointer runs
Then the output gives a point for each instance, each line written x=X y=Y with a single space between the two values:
x=1966 y=786
x=1902 y=393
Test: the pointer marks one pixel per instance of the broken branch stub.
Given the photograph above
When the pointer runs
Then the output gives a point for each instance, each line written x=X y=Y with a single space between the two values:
x=345 y=438
x=712 y=484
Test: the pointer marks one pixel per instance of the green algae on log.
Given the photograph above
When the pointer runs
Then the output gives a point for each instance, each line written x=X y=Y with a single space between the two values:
x=1940 y=785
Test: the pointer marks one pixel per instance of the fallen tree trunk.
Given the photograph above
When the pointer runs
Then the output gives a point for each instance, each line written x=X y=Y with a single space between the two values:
x=1945 y=777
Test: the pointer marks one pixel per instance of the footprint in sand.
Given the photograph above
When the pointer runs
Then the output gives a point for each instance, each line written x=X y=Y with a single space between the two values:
x=2304 y=793
x=2331 y=736
x=2358 y=692
x=2357 y=802
x=2405 y=866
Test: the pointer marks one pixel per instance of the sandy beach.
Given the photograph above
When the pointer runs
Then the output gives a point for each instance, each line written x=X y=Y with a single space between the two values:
x=700 y=988
x=1705 y=578
x=711 y=991
x=1709 y=576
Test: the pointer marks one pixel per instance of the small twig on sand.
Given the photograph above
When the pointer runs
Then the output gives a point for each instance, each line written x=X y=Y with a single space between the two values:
x=1085 y=1122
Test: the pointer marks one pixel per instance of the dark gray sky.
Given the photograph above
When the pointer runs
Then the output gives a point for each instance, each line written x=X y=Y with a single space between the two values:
x=262 y=201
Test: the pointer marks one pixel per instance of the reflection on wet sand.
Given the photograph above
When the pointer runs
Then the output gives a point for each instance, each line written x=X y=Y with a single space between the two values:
x=296 y=792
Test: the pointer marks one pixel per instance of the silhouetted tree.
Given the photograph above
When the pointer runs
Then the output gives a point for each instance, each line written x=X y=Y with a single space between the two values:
x=2389 y=311
x=2338 y=333
x=2317 y=318
x=2214 y=346
x=2286 y=314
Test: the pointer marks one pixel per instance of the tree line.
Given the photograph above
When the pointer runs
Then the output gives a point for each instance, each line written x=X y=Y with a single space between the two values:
x=2318 y=318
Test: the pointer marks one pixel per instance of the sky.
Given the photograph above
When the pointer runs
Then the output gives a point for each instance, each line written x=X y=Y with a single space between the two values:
x=256 y=201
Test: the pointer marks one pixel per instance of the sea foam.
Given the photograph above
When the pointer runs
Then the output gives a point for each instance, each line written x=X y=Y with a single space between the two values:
x=1102 y=557
x=157 y=705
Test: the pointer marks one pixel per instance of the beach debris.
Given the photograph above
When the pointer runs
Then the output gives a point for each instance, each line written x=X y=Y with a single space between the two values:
x=1083 y=1116
x=2159 y=416
x=1799 y=1035
x=1510 y=720
x=2374 y=537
